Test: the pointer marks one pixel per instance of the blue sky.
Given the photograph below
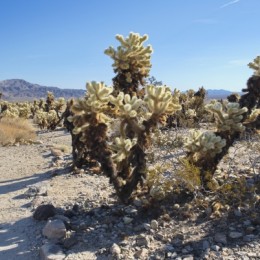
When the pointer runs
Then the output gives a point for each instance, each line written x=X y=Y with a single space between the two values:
x=196 y=42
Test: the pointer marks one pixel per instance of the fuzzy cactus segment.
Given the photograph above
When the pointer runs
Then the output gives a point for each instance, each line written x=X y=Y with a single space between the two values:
x=255 y=65
x=204 y=144
x=254 y=114
x=122 y=148
x=126 y=105
x=160 y=100
x=98 y=95
x=131 y=55
x=96 y=101
x=229 y=116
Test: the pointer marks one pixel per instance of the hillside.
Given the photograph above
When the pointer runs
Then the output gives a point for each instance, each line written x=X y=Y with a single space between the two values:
x=21 y=90
x=218 y=93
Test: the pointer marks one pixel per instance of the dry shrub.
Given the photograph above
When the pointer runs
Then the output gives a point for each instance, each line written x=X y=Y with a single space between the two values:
x=16 y=130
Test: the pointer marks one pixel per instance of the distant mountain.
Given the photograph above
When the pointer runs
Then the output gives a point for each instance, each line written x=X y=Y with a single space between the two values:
x=21 y=90
x=219 y=93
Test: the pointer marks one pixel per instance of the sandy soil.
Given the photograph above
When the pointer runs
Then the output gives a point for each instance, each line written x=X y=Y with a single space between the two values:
x=21 y=167
x=103 y=220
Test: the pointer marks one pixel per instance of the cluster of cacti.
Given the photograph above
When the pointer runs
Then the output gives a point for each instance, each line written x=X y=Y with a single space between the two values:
x=124 y=160
x=228 y=115
x=204 y=144
x=8 y=110
x=231 y=119
x=114 y=126
x=193 y=109
x=13 y=110
x=132 y=62
x=48 y=114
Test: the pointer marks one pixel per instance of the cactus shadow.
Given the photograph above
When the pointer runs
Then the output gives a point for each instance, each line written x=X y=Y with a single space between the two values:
x=12 y=185
x=215 y=237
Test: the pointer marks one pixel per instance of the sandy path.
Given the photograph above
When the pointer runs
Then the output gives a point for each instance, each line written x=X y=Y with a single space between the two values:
x=20 y=167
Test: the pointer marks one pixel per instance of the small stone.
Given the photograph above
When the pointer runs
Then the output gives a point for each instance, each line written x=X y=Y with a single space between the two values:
x=215 y=248
x=70 y=241
x=127 y=220
x=169 y=248
x=142 y=253
x=142 y=240
x=250 y=229
x=146 y=226
x=247 y=222
x=43 y=212
x=237 y=212
x=176 y=206
x=249 y=238
x=54 y=229
x=38 y=142
x=137 y=203
x=115 y=250
x=220 y=238
x=205 y=244
x=235 y=234
x=154 y=224
x=50 y=251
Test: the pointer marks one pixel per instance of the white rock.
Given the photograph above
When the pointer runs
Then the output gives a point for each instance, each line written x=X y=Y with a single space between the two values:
x=51 y=251
x=115 y=249
x=127 y=220
x=54 y=229
x=235 y=235
x=154 y=224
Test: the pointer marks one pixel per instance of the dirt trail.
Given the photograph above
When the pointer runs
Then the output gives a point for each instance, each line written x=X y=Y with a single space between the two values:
x=21 y=167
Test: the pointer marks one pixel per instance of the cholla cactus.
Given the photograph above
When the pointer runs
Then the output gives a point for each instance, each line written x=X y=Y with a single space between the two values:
x=190 y=113
x=124 y=161
x=160 y=100
x=10 y=110
x=47 y=120
x=122 y=148
x=255 y=65
x=25 y=110
x=126 y=105
x=95 y=103
x=229 y=120
x=202 y=145
x=59 y=104
x=254 y=114
x=131 y=62
x=49 y=101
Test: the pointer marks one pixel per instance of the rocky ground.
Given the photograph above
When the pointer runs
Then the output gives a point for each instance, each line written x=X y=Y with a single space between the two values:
x=87 y=221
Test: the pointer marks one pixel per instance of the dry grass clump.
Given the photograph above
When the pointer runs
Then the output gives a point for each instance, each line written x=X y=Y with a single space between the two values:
x=16 y=130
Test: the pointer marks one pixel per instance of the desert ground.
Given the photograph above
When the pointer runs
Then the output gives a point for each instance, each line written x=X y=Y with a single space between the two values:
x=98 y=226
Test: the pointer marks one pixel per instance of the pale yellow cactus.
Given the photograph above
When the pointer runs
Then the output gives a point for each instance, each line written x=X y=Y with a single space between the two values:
x=204 y=144
x=255 y=65
x=46 y=119
x=96 y=101
x=229 y=120
x=122 y=148
x=12 y=110
x=126 y=105
x=131 y=55
x=254 y=114
x=59 y=103
x=190 y=113
x=160 y=100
